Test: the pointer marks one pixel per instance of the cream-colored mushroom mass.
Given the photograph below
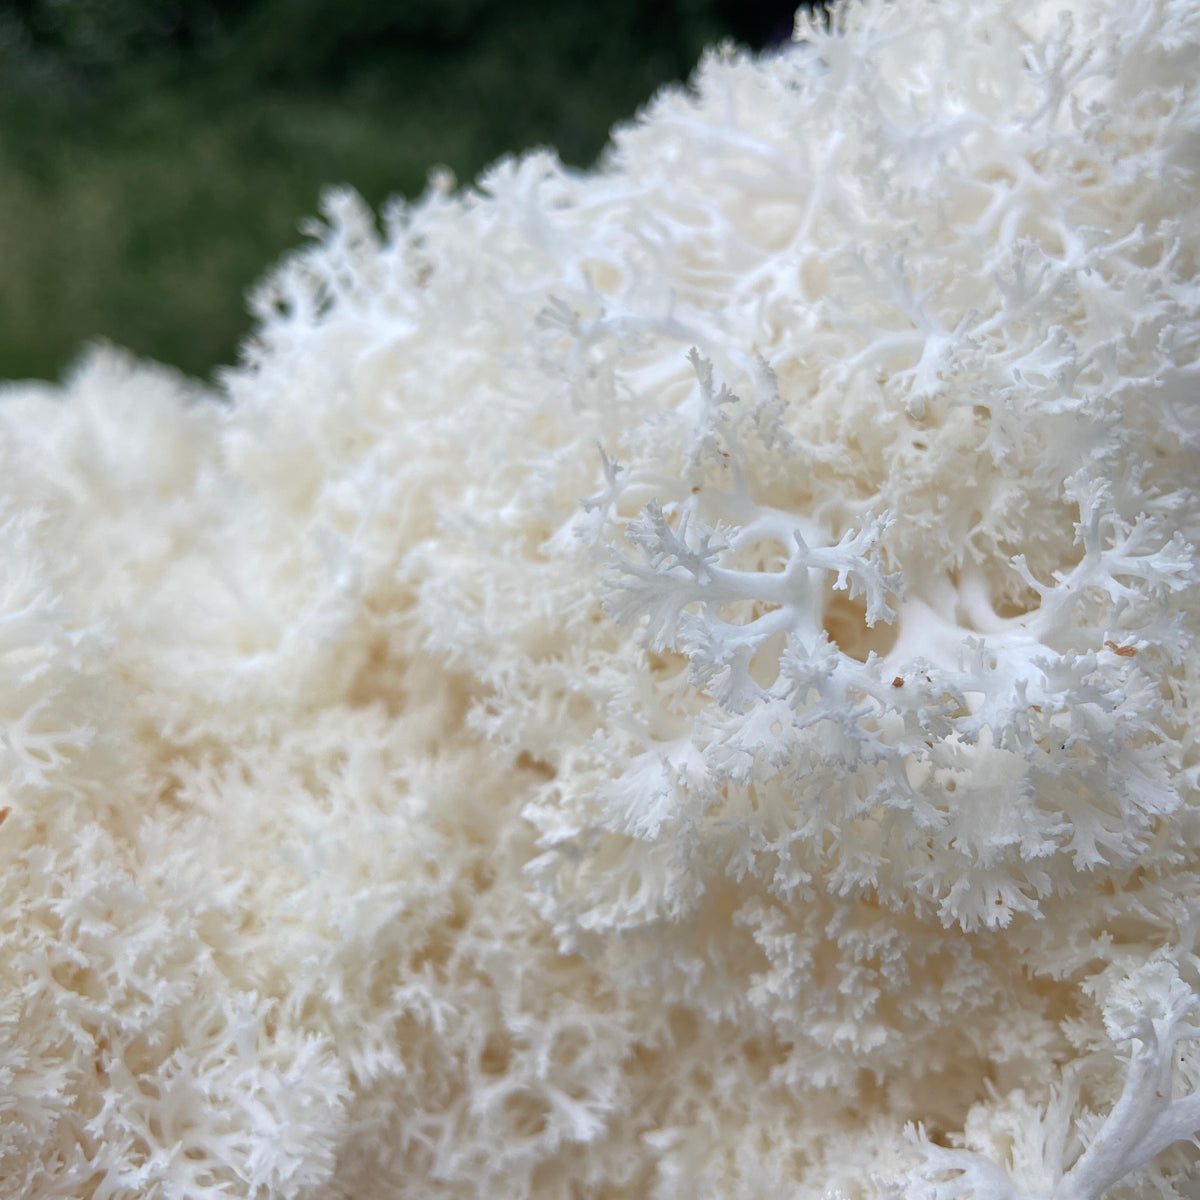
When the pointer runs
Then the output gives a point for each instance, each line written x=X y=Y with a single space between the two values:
x=676 y=681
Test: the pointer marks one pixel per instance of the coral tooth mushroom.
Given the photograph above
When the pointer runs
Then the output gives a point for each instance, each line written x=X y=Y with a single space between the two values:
x=673 y=681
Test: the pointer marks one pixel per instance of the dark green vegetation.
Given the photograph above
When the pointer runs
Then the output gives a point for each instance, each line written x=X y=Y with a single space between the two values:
x=157 y=155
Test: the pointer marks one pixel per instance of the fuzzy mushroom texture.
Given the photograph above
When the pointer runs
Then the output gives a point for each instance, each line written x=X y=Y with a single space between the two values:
x=675 y=681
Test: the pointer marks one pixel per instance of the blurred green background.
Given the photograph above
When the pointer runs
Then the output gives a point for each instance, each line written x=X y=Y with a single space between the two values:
x=157 y=155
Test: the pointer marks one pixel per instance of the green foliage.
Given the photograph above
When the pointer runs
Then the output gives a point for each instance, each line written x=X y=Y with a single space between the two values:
x=157 y=155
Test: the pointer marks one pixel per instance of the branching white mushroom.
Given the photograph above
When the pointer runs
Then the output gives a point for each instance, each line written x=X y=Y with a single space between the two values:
x=798 y=796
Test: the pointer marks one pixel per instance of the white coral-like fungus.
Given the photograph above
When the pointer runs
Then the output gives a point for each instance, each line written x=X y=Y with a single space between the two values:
x=678 y=681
